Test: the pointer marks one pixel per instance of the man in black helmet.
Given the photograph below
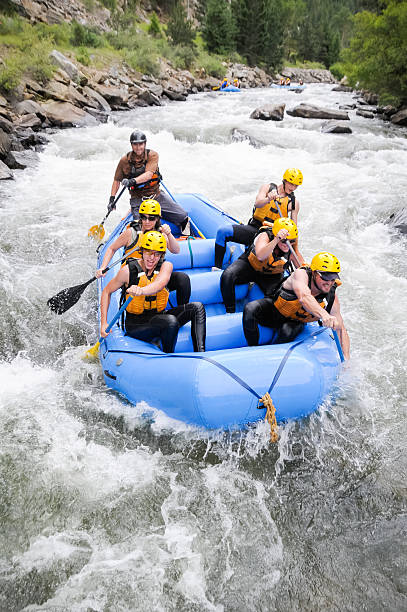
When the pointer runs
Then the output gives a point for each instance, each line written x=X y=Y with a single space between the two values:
x=140 y=167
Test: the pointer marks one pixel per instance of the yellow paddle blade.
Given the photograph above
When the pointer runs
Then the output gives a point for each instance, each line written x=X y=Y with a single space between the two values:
x=97 y=232
x=92 y=354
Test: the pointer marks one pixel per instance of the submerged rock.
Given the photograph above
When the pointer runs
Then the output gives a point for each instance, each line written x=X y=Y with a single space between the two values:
x=335 y=127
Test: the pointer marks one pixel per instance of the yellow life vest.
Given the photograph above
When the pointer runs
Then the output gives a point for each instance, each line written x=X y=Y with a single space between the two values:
x=141 y=303
x=269 y=212
x=275 y=264
x=288 y=304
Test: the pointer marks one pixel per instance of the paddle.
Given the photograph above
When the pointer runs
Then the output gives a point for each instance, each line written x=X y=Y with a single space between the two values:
x=98 y=231
x=65 y=299
x=334 y=332
x=92 y=353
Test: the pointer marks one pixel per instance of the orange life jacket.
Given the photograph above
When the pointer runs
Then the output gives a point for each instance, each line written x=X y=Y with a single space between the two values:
x=269 y=212
x=277 y=261
x=140 y=303
x=288 y=304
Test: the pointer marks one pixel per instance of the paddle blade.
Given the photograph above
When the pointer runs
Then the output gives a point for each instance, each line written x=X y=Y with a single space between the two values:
x=97 y=232
x=92 y=354
x=65 y=299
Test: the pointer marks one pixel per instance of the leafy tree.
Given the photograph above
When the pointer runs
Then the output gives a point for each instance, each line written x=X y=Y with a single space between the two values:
x=376 y=57
x=218 y=30
x=180 y=28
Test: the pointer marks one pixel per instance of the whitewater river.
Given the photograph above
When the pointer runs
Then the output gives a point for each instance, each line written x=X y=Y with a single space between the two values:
x=102 y=509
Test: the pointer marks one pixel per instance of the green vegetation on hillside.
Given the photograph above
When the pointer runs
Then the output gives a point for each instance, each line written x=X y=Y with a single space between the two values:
x=362 y=39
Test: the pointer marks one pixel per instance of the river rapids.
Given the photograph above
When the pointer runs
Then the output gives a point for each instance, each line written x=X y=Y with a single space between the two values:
x=105 y=506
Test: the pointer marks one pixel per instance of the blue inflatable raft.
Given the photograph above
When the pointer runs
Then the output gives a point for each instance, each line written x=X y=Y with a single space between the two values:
x=221 y=387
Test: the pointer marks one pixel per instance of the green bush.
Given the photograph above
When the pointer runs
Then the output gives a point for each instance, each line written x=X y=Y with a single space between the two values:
x=143 y=62
x=338 y=70
x=11 y=73
x=212 y=64
x=82 y=56
x=10 y=25
x=83 y=36
x=109 y=4
x=184 y=57
x=59 y=33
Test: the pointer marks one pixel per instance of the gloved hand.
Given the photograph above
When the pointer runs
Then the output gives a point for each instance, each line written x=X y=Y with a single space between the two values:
x=129 y=182
x=112 y=205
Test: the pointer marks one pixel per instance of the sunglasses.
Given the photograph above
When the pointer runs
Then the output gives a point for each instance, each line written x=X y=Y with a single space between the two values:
x=148 y=217
x=326 y=276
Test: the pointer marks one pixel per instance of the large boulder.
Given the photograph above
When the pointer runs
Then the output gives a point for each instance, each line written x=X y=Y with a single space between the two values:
x=335 y=127
x=30 y=120
x=27 y=107
x=5 y=144
x=65 y=114
x=309 y=111
x=96 y=100
x=269 y=112
x=400 y=118
x=115 y=96
x=67 y=66
x=364 y=113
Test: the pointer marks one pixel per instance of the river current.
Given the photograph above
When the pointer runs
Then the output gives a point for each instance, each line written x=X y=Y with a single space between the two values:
x=105 y=509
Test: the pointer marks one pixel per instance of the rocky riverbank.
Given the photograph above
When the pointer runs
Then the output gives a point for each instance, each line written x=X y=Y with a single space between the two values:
x=79 y=96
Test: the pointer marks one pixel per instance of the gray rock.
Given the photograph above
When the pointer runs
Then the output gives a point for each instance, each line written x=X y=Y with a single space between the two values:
x=335 y=127
x=344 y=88
x=273 y=112
x=365 y=114
x=347 y=106
x=308 y=111
x=5 y=172
x=135 y=101
x=308 y=75
x=98 y=99
x=150 y=98
x=5 y=144
x=387 y=111
x=242 y=136
x=27 y=107
x=30 y=121
x=67 y=66
x=100 y=115
x=65 y=114
x=113 y=95
x=173 y=95
x=17 y=160
x=400 y=118
x=6 y=125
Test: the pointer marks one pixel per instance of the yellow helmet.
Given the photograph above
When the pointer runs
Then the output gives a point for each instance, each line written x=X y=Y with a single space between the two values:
x=293 y=175
x=153 y=241
x=150 y=207
x=326 y=262
x=288 y=224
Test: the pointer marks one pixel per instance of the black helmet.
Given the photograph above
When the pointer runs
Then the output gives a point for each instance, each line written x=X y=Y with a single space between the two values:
x=137 y=136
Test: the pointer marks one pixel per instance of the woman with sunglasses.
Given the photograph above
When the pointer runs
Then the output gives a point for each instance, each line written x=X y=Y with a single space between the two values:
x=265 y=263
x=149 y=220
x=307 y=295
